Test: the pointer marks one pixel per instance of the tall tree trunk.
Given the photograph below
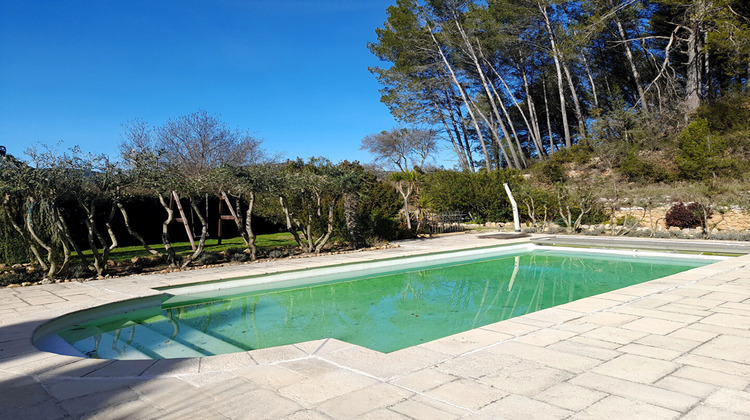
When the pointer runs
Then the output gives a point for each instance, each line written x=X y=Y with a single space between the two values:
x=692 y=87
x=533 y=133
x=515 y=134
x=466 y=100
x=457 y=146
x=497 y=139
x=485 y=85
x=708 y=87
x=560 y=85
x=591 y=79
x=576 y=102
x=532 y=110
x=464 y=133
x=633 y=68
x=549 y=121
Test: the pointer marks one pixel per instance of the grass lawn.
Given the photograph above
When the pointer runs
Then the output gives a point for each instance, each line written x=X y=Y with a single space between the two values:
x=270 y=241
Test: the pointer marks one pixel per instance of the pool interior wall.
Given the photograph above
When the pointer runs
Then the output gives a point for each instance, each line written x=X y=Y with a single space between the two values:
x=176 y=299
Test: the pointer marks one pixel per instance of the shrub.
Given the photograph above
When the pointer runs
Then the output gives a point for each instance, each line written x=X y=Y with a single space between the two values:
x=627 y=221
x=691 y=216
x=12 y=247
x=379 y=212
x=578 y=153
x=208 y=258
x=550 y=171
x=700 y=152
x=236 y=254
x=239 y=257
x=636 y=169
x=278 y=253
x=480 y=195
x=730 y=113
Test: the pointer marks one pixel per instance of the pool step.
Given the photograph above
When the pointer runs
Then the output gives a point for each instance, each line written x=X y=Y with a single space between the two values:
x=203 y=342
x=130 y=352
x=155 y=343
x=143 y=344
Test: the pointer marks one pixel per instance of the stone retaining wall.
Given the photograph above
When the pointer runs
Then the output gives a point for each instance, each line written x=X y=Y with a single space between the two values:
x=726 y=219
x=722 y=219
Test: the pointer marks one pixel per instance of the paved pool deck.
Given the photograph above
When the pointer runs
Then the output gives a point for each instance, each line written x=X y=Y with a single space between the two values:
x=676 y=347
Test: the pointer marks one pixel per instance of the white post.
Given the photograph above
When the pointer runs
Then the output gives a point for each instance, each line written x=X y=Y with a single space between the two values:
x=516 y=221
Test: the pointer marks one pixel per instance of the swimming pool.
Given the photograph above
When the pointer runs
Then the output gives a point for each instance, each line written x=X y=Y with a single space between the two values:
x=384 y=305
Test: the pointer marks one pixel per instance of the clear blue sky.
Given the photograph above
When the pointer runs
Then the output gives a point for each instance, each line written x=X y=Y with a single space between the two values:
x=293 y=72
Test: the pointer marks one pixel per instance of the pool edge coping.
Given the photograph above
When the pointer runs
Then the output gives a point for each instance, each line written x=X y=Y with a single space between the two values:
x=230 y=361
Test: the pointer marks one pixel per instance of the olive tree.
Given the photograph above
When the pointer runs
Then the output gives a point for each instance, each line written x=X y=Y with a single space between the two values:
x=308 y=193
x=33 y=195
x=98 y=181
x=182 y=156
x=244 y=184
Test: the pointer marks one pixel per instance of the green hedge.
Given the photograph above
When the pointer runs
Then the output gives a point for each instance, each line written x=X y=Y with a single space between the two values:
x=480 y=195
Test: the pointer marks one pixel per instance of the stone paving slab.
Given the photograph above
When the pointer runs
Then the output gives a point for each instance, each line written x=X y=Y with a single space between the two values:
x=671 y=348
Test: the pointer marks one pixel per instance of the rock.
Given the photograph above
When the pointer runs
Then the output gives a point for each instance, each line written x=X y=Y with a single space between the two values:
x=45 y=281
x=26 y=283
x=30 y=269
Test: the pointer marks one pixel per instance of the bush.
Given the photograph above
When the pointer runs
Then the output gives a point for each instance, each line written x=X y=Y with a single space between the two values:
x=550 y=171
x=578 y=154
x=278 y=253
x=636 y=169
x=13 y=250
x=730 y=113
x=379 y=212
x=627 y=221
x=480 y=195
x=691 y=216
x=700 y=152
x=237 y=254
x=208 y=258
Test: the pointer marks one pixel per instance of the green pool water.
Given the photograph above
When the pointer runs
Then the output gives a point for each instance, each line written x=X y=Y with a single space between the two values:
x=384 y=312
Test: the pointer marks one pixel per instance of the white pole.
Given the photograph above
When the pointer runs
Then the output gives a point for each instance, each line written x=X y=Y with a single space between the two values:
x=516 y=221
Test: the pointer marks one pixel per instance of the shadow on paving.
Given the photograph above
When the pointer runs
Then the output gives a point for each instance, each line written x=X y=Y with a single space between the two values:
x=42 y=385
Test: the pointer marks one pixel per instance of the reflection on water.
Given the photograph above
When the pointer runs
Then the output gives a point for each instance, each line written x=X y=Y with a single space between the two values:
x=384 y=313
